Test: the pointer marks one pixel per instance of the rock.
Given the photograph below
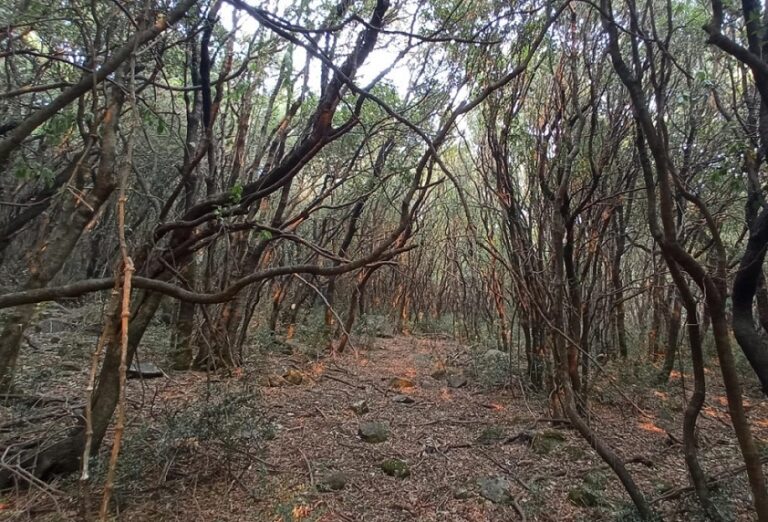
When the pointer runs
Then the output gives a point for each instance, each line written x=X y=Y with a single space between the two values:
x=545 y=441
x=491 y=435
x=439 y=371
x=495 y=489
x=294 y=377
x=53 y=325
x=456 y=381
x=493 y=355
x=403 y=399
x=145 y=370
x=462 y=494
x=582 y=496
x=395 y=468
x=373 y=432
x=335 y=481
x=401 y=383
x=360 y=407
x=659 y=486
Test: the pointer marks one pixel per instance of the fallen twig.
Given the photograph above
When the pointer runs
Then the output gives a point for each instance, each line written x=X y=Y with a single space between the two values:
x=519 y=510
x=677 y=492
x=342 y=381
x=309 y=468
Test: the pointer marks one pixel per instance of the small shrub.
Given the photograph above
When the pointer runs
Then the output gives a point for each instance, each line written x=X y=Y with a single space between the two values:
x=217 y=431
x=312 y=336
x=443 y=325
x=491 y=368
x=372 y=325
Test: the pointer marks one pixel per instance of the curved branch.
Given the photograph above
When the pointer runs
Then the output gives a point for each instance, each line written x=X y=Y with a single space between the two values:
x=32 y=122
x=745 y=284
x=94 y=285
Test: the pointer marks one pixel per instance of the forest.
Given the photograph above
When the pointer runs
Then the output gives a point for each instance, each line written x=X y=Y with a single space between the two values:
x=383 y=260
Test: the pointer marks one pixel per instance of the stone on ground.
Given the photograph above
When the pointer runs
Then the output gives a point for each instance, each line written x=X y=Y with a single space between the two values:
x=360 y=407
x=395 y=468
x=373 y=432
x=545 y=441
x=494 y=356
x=456 y=381
x=335 y=481
x=491 y=435
x=144 y=370
x=495 y=489
x=53 y=325
x=439 y=371
x=403 y=399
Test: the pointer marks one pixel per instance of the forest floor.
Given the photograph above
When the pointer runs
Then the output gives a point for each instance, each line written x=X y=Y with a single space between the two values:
x=279 y=440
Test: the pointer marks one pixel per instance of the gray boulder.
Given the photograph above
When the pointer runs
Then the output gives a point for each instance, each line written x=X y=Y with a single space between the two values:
x=374 y=432
x=144 y=370
x=495 y=489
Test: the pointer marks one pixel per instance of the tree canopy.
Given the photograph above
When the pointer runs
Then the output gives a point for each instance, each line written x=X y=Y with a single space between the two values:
x=579 y=183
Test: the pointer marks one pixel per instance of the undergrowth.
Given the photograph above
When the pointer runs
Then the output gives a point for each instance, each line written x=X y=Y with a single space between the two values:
x=221 y=431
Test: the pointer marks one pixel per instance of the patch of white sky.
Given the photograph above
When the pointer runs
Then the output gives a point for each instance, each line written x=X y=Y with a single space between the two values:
x=399 y=72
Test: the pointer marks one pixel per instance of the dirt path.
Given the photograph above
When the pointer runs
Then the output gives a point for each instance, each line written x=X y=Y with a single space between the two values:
x=449 y=437
x=461 y=442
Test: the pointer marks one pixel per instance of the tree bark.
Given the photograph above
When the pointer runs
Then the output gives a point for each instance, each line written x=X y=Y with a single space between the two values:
x=61 y=238
x=745 y=285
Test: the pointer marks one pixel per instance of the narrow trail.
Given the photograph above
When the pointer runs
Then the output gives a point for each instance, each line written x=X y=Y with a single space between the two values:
x=450 y=437
x=473 y=452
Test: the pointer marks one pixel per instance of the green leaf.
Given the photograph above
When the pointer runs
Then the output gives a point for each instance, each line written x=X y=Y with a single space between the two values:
x=236 y=193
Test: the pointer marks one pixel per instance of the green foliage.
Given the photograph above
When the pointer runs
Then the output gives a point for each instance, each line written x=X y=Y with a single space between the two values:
x=236 y=193
x=490 y=367
x=57 y=127
x=375 y=325
x=434 y=326
x=312 y=335
x=491 y=435
x=220 y=430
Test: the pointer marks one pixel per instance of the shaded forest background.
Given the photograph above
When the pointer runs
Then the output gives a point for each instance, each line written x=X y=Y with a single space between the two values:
x=579 y=186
